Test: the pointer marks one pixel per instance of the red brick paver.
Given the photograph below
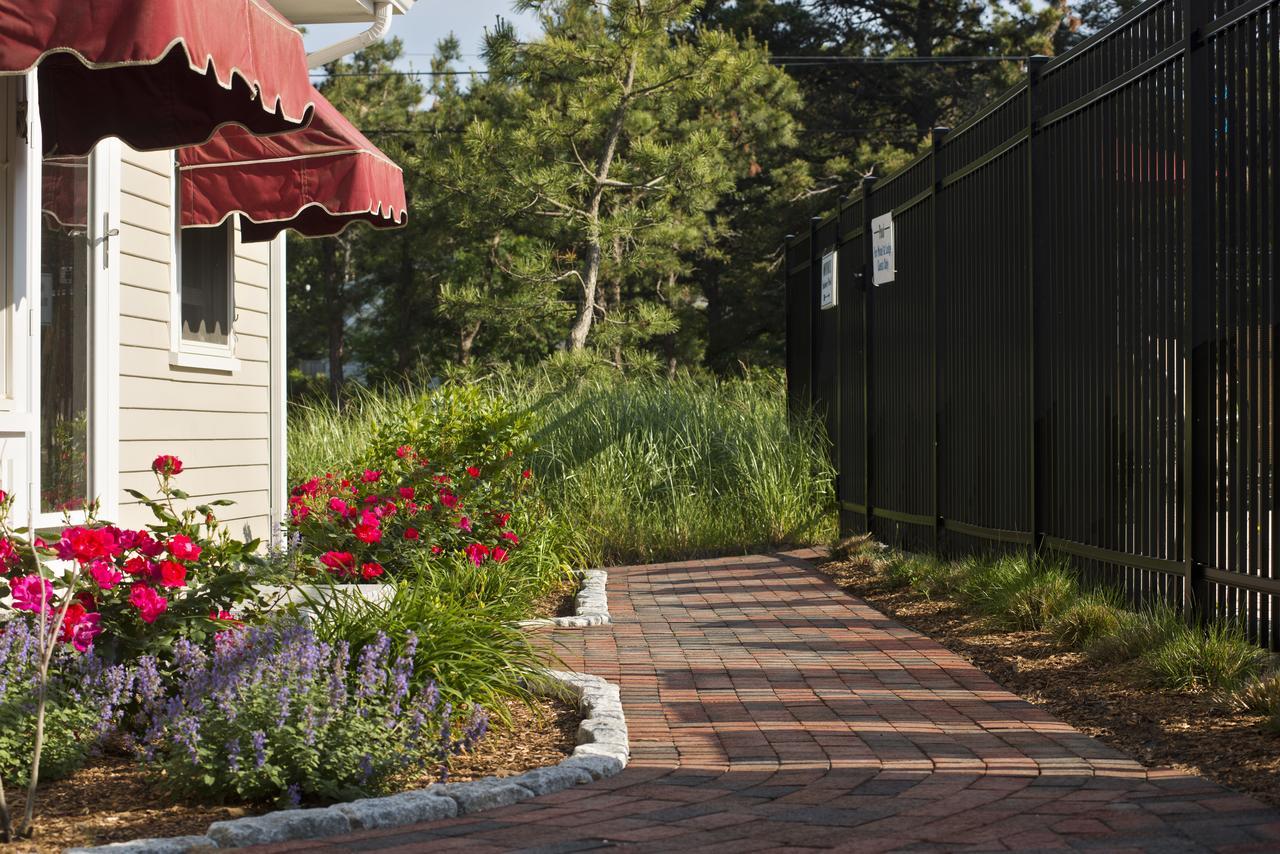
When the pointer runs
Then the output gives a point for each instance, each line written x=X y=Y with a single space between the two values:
x=770 y=711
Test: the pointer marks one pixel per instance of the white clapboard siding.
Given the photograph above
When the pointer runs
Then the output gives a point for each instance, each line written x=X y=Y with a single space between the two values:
x=218 y=423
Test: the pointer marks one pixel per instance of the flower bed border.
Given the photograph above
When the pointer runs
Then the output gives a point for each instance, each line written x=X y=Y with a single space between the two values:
x=591 y=604
x=602 y=751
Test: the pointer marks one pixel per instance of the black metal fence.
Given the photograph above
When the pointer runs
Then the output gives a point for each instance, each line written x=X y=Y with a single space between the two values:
x=1077 y=353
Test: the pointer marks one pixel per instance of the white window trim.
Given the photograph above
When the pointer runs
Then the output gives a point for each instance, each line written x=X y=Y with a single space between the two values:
x=199 y=355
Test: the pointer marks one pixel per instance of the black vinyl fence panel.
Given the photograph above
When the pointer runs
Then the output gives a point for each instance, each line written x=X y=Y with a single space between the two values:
x=1076 y=354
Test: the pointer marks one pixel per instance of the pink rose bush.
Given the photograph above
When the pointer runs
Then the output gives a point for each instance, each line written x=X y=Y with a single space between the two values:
x=406 y=510
x=132 y=590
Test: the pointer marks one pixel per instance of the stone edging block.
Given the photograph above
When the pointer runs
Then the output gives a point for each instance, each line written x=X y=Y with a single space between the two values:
x=591 y=604
x=602 y=751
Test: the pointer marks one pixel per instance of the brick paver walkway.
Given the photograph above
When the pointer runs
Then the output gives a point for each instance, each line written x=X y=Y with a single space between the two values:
x=771 y=711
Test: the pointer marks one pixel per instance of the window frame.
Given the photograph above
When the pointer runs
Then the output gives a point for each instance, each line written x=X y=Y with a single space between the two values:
x=200 y=355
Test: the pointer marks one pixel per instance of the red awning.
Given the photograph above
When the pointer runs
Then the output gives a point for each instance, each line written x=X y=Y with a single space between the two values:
x=155 y=73
x=316 y=181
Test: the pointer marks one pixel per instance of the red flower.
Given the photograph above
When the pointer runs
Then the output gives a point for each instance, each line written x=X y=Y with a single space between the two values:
x=502 y=519
x=411 y=533
x=511 y=537
x=473 y=471
x=526 y=474
x=448 y=499
x=80 y=627
x=370 y=571
x=368 y=533
x=182 y=548
x=339 y=563
x=166 y=465
x=442 y=478
x=477 y=553
x=87 y=544
x=150 y=604
x=104 y=574
x=499 y=554
x=435 y=550
x=371 y=476
x=406 y=492
x=173 y=574
x=403 y=451
x=9 y=557
x=337 y=505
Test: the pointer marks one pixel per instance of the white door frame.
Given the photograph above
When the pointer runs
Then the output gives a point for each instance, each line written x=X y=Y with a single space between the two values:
x=20 y=422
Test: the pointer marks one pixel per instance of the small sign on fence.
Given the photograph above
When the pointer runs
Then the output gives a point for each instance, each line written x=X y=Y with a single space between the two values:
x=882 y=261
x=830 y=295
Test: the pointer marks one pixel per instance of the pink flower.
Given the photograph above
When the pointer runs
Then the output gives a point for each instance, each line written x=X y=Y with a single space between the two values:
x=411 y=533
x=443 y=478
x=166 y=465
x=140 y=566
x=337 y=505
x=473 y=471
x=173 y=574
x=403 y=451
x=80 y=627
x=511 y=537
x=147 y=545
x=368 y=533
x=32 y=593
x=370 y=571
x=223 y=616
x=477 y=553
x=339 y=563
x=526 y=474
x=9 y=557
x=371 y=476
x=448 y=499
x=182 y=548
x=149 y=603
x=499 y=554
x=104 y=574
x=435 y=550
x=465 y=524
x=311 y=487
x=406 y=492
x=86 y=544
x=502 y=519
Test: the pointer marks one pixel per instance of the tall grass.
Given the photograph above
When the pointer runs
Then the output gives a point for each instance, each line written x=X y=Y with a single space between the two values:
x=642 y=468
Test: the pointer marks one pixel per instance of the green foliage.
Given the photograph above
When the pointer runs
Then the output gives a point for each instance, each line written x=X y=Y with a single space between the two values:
x=1218 y=657
x=1137 y=634
x=1261 y=695
x=1086 y=620
x=465 y=643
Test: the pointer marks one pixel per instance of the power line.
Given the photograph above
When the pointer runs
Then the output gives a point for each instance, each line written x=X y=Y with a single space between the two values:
x=780 y=61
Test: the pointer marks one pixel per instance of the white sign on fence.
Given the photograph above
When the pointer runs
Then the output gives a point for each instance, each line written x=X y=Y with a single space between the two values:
x=830 y=292
x=882 y=261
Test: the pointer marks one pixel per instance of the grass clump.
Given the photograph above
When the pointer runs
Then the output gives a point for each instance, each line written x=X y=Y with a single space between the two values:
x=1261 y=696
x=1137 y=634
x=1218 y=657
x=1085 y=621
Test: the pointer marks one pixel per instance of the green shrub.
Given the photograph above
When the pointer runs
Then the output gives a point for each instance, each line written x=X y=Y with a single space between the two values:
x=1217 y=657
x=1086 y=620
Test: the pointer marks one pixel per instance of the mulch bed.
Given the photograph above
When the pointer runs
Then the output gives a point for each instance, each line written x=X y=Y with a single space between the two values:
x=559 y=601
x=1117 y=704
x=112 y=799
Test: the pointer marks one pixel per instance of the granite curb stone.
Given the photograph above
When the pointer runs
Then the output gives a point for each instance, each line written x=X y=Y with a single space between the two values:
x=591 y=605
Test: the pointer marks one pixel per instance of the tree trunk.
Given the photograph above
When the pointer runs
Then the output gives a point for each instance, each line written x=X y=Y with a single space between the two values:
x=466 y=339
x=591 y=270
x=337 y=273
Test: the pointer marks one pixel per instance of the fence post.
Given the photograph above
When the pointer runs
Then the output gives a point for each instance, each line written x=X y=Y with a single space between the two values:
x=938 y=137
x=868 y=303
x=1197 y=380
x=815 y=309
x=787 y=297
x=837 y=390
x=1036 y=250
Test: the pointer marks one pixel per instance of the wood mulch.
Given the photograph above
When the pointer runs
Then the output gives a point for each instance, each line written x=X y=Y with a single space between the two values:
x=559 y=601
x=1118 y=704
x=113 y=799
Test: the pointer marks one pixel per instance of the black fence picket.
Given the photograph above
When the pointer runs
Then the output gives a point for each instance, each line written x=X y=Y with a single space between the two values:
x=1077 y=353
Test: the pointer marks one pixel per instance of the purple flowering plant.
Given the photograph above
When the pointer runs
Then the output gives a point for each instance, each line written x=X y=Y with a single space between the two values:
x=84 y=698
x=274 y=714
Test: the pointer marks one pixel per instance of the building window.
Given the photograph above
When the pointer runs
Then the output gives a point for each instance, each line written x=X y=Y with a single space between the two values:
x=204 y=300
x=205 y=284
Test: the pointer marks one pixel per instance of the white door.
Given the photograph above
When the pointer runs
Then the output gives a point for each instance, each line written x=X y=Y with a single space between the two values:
x=58 y=425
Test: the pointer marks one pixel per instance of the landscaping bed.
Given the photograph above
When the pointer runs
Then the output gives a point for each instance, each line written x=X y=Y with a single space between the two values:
x=112 y=799
x=1199 y=731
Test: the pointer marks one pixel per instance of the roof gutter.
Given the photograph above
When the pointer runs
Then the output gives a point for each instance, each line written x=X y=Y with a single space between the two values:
x=382 y=10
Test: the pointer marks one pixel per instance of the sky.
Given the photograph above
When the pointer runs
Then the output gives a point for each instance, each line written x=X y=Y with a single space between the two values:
x=428 y=22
